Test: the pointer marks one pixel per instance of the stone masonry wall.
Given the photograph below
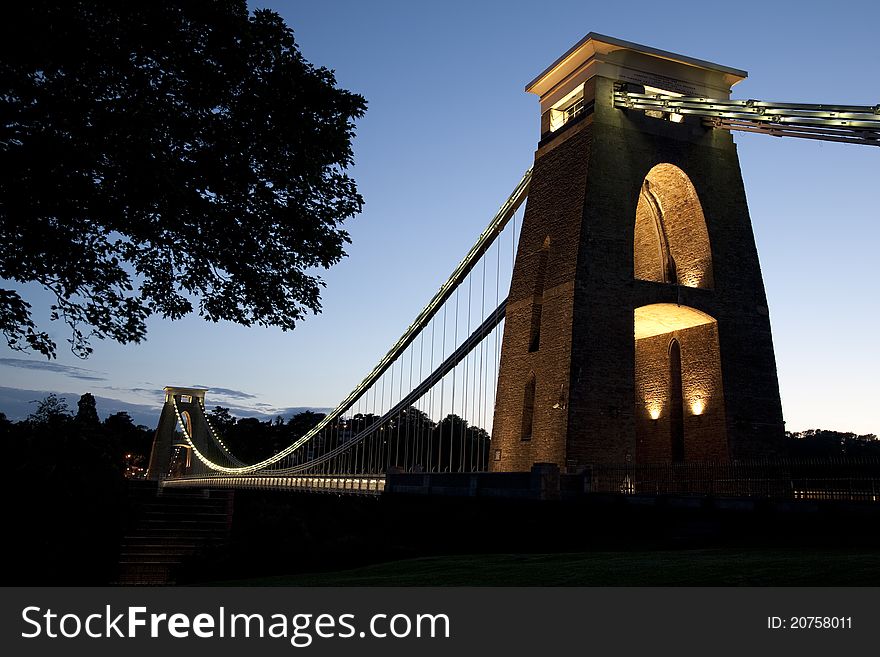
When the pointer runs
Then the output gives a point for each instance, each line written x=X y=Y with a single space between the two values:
x=583 y=196
x=705 y=433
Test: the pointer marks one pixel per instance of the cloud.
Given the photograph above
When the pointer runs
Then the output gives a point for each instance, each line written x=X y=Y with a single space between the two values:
x=244 y=410
x=296 y=410
x=151 y=393
x=46 y=366
x=227 y=392
x=264 y=411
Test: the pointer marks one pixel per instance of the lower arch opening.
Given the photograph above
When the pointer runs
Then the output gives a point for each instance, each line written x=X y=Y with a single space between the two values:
x=679 y=400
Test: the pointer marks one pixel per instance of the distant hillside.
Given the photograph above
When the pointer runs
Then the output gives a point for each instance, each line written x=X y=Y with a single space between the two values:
x=17 y=404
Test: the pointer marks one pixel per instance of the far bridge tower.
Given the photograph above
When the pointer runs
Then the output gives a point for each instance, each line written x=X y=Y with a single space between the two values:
x=182 y=421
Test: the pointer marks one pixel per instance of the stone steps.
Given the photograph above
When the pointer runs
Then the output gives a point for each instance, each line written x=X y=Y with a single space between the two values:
x=168 y=530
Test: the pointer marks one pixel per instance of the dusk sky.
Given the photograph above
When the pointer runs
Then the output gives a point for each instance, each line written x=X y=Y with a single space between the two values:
x=448 y=133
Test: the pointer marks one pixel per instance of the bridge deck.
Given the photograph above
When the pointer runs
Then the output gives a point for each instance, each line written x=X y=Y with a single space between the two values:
x=349 y=484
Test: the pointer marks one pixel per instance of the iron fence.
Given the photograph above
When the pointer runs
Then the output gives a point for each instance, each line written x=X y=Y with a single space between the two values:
x=848 y=479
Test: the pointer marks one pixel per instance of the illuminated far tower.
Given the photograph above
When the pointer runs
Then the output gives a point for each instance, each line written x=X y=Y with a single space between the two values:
x=171 y=453
x=637 y=326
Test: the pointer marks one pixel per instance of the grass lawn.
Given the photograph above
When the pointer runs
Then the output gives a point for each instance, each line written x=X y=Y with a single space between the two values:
x=705 y=567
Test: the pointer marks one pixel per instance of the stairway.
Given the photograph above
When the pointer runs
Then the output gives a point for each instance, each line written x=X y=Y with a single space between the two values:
x=169 y=529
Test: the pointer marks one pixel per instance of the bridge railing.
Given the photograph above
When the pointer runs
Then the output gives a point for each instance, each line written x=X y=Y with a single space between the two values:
x=361 y=484
x=850 y=479
x=833 y=479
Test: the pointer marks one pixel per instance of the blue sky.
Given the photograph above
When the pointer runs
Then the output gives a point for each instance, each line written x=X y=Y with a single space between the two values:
x=448 y=133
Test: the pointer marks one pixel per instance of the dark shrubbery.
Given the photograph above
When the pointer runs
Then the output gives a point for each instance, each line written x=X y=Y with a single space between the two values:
x=67 y=503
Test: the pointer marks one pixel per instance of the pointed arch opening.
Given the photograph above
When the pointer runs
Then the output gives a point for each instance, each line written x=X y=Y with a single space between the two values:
x=186 y=421
x=680 y=409
x=538 y=297
x=676 y=404
x=671 y=241
x=182 y=449
x=528 y=414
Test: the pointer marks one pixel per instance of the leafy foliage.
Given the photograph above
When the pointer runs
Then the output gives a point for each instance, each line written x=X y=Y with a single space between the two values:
x=52 y=410
x=160 y=154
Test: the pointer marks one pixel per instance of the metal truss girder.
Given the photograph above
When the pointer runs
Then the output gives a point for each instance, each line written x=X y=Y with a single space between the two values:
x=756 y=105
x=853 y=124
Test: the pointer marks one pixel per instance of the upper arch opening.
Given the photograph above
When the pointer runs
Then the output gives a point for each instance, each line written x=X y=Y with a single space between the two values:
x=671 y=242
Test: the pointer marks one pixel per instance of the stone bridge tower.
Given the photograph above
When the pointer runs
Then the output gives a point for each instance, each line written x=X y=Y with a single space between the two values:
x=171 y=452
x=637 y=327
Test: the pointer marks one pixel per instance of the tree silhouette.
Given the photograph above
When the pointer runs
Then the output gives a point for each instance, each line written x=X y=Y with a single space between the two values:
x=824 y=443
x=88 y=410
x=158 y=156
x=132 y=442
x=51 y=410
x=221 y=420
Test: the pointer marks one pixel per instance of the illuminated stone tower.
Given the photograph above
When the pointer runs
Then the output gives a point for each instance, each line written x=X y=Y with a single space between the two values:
x=171 y=452
x=637 y=326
